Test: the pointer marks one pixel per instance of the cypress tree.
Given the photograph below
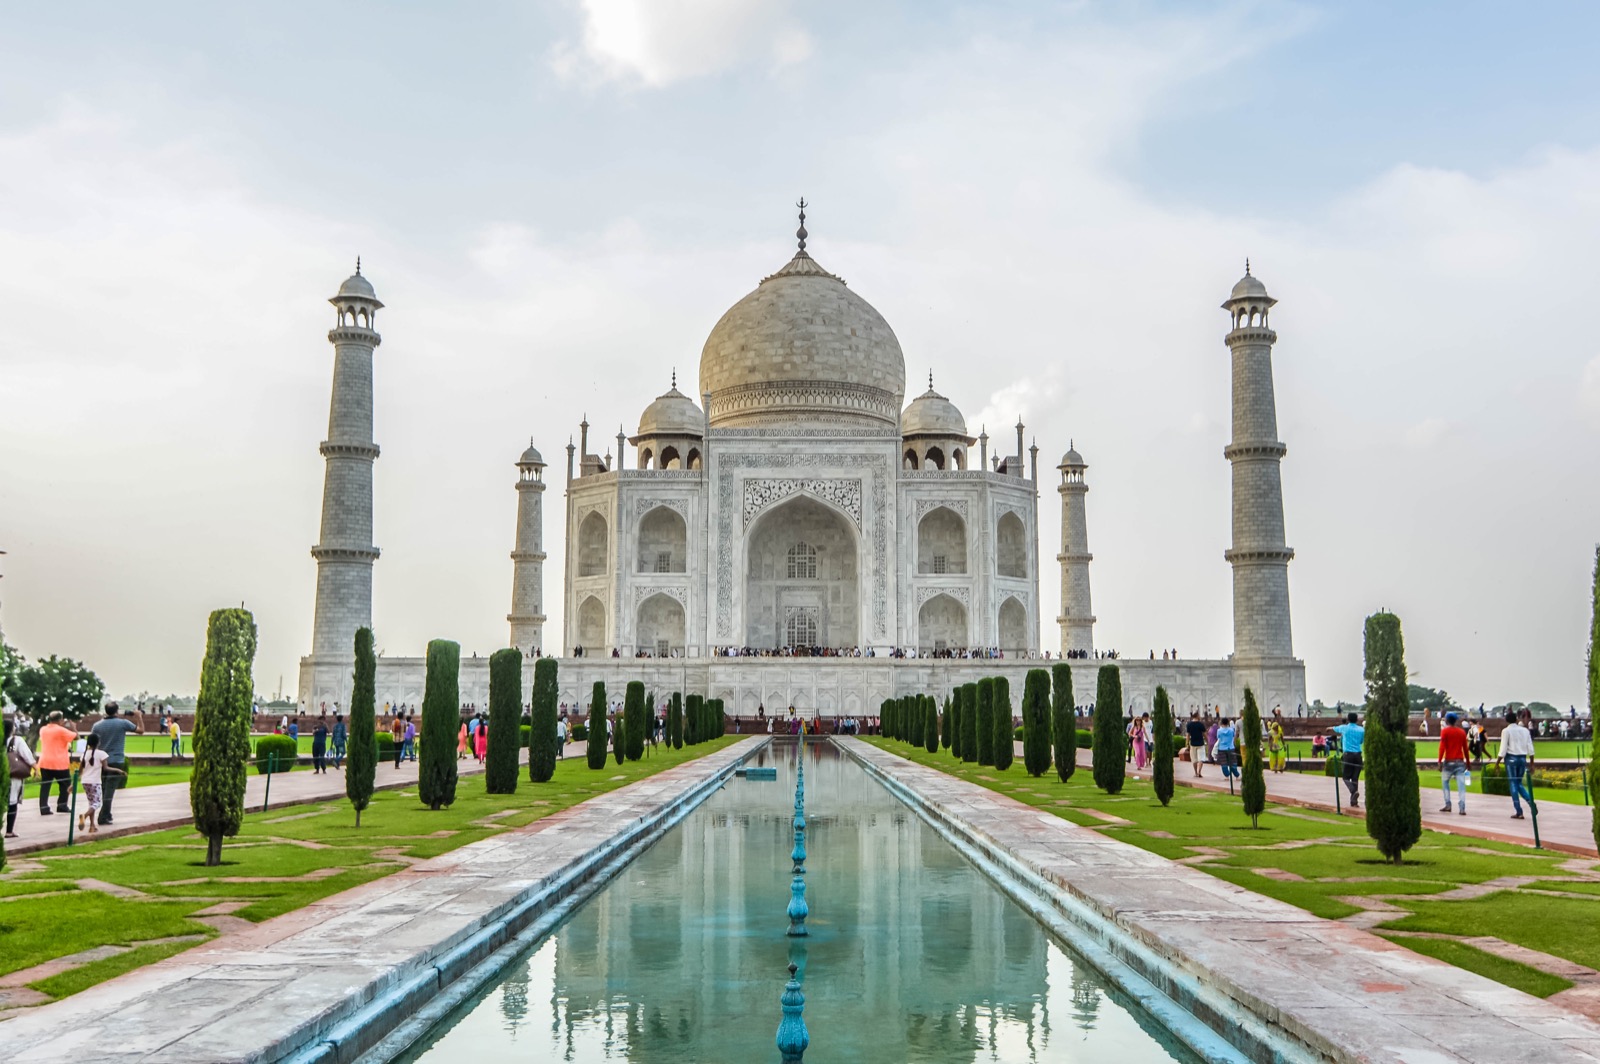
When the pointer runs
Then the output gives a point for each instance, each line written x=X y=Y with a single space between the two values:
x=886 y=718
x=1109 y=750
x=633 y=715
x=619 y=734
x=1394 y=802
x=596 y=750
x=719 y=723
x=1161 y=721
x=1005 y=732
x=945 y=722
x=222 y=729
x=692 y=720
x=1252 y=782
x=675 y=721
x=919 y=716
x=1063 y=721
x=441 y=721
x=969 y=723
x=542 y=722
x=930 y=726
x=361 y=761
x=1036 y=722
x=958 y=701
x=505 y=722
x=1594 y=702
x=985 y=715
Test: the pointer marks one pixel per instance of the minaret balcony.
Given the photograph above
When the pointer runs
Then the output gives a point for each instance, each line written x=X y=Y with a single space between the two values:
x=333 y=449
x=1250 y=334
x=1084 y=558
x=528 y=555
x=1268 y=556
x=354 y=334
x=1264 y=449
x=345 y=554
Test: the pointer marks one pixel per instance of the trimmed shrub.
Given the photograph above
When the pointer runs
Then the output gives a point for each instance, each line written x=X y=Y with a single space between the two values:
x=1005 y=747
x=1161 y=721
x=945 y=724
x=633 y=717
x=596 y=755
x=383 y=743
x=1333 y=766
x=1495 y=780
x=441 y=721
x=1085 y=739
x=222 y=729
x=505 y=715
x=542 y=726
x=930 y=725
x=361 y=749
x=1063 y=722
x=275 y=753
x=675 y=721
x=524 y=734
x=1252 y=781
x=985 y=715
x=691 y=720
x=1036 y=722
x=1110 y=751
x=1394 y=800
x=578 y=732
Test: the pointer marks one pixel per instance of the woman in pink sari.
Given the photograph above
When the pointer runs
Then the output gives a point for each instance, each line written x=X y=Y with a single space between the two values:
x=481 y=741
x=1141 y=742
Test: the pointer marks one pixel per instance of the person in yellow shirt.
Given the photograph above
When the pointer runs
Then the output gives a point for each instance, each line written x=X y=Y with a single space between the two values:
x=175 y=735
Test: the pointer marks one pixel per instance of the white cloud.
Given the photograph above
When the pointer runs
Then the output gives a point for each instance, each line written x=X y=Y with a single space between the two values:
x=654 y=44
x=1589 y=388
x=1428 y=432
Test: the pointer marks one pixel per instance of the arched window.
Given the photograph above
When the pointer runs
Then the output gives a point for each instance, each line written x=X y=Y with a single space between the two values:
x=593 y=545
x=910 y=460
x=934 y=458
x=645 y=454
x=669 y=457
x=1011 y=546
x=802 y=562
x=694 y=460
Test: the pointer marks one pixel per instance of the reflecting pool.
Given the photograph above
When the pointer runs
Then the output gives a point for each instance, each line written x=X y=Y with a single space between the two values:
x=913 y=954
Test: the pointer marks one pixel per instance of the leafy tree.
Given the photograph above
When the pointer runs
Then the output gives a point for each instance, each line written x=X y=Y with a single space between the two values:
x=1036 y=722
x=930 y=725
x=56 y=683
x=1394 y=802
x=1594 y=699
x=597 y=726
x=1421 y=698
x=11 y=663
x=505 y=722
x=1005 y=742
x=945 y=723
x=542 y=721
x=1161 y=721
x=969 y=722
x=633 y=715
x=985 y=715
x=361 y=762
x=1110 y=755
x=1252 y=781
x=1063 y=721
x=441 y=721
x=222 y=729
x=675 y=721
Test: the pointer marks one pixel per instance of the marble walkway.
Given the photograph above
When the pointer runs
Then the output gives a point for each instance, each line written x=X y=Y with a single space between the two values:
x=1345 y=994
x=290 y=987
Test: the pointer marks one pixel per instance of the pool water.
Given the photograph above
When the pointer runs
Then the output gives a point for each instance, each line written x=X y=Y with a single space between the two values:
x=913 y=954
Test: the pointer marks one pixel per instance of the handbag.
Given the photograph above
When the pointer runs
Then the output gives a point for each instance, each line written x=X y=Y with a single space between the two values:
x=19 y=767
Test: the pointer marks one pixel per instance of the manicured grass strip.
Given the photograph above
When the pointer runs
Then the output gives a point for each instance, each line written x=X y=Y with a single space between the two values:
x=1562 y=927
x=1512 y=973
x=40 y=929
x=13 y=889
x=76 y=979
x=1571 y=888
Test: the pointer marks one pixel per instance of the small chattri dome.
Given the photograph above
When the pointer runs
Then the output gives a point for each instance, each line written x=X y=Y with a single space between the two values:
x=931 y=414
x=357 y=285
x=531 y=457
x=1072 y=459
x=1248 y=288
x=672 y=414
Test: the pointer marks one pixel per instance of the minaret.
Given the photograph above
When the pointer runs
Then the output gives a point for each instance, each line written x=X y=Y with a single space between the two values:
x=345 y=552
x=527 y=571
x=1259 y=556
x=1077 y=615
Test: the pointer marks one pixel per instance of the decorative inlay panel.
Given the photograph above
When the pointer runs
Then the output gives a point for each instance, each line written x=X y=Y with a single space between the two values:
x=760 y=494
x=925 y=505
x=676 y=591
x=960 y=594
x=644 y=506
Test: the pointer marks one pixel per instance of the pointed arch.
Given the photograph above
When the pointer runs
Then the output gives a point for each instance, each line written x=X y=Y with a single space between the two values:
x=1011 y=546
x=942 y=624
x=663 y=541
x=942 y=542
x=1013 y=625
x=591 y=624
x=594 y=544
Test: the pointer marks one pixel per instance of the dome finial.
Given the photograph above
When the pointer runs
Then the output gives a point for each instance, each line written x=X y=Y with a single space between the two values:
x=1247 y=266
x=358 y=265
x=930 y=380
x=801 y=232
x=674 y=377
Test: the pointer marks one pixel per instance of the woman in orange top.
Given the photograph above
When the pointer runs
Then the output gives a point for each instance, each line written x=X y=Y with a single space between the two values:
x=55 y=762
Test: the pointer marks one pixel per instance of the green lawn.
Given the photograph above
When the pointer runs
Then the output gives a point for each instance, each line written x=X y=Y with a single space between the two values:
x=48 y=911
x=1543 y=749
x=1336 y=861
x=1566 y=795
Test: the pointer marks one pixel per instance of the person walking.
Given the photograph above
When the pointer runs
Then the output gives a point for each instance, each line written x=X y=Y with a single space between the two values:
x=319 y=747
x=1195 y=732
x=339 y=737
x=561 y=738
x=112 y=732
x=1352 y=737
x=1277 y=749
x=176 y=735
x=1516 y=750
x=1141 y=742
x=20 y=764
x=94 y=771
x=1453 y=755
x=55 y=762
x=409 y=739
x=1227 y=748
x=480 y=742
x=397 y=732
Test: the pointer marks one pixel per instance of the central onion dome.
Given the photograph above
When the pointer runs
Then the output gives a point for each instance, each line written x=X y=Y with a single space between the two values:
x=803 y=348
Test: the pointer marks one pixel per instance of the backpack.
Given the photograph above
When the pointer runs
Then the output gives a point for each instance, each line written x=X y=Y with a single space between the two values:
x=20 y=767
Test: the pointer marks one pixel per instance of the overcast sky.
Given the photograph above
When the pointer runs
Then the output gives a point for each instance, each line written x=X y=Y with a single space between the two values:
x=1046 y=201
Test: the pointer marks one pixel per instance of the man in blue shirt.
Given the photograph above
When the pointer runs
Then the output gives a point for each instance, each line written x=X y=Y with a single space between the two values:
x=1351 y=737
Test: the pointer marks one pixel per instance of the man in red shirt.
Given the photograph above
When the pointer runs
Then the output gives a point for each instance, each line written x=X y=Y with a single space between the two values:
x=1453 y=762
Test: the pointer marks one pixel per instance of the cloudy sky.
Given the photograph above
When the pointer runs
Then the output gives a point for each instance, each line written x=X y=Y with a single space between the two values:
x=1047 y=202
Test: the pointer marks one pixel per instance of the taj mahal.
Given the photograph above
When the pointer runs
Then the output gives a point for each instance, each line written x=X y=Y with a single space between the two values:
x=798 y=534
